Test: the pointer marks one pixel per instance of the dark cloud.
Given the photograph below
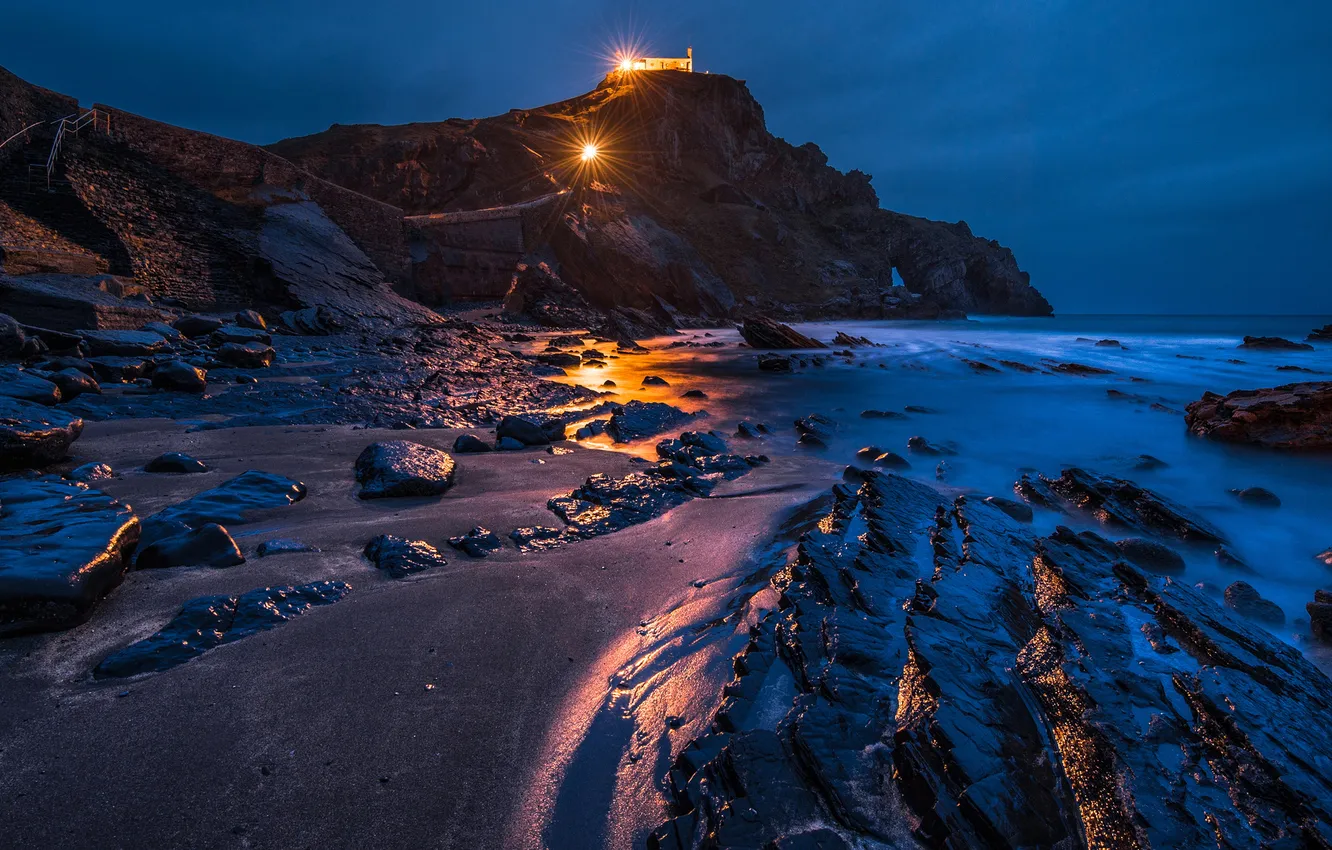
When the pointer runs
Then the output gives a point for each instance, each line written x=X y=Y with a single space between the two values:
x=1137 y=156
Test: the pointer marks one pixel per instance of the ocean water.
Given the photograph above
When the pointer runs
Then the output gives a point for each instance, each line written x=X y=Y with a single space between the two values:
x=1008 y=422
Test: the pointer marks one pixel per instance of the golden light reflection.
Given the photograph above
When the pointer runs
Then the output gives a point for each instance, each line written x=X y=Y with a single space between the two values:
x=589 y=152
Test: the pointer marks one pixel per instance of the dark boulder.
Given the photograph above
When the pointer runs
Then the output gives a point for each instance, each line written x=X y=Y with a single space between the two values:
x=775 y=363
x=251 y=319
x=478 y=543
x=401 y=468
x=523 y=430
x=1242 y=598
x=209 y=545
x=239 y=335
x=211 y=621
x=1293 y=416
x=400 y=557
x=892 y=460
x=1020 y=511
x=654 y=381
x=25 y=386
x=123 y=343
x=196 y=326
x=694 y=394
x=179 y=376
x=921 y=446
x=1079 y=369
x=470 y=444
x=34 y=436
x=1150 y=555
x=175 y=462
x=560 y=359
x=1323 y=334
x=1274 y=343
x=762 y=332
x=869 y=453
x=63 y=547
x=508 y=444
x=246 y=355
x=12 y=337
x=74 y=383
x=165 y=331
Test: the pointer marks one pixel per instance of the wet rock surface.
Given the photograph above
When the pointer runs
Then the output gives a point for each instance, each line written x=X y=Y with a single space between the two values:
x=1244 y=599
x=401 y=468
x=400 y=557
x=638 y=420
x=478 y=543
x=28 y=387
x=63 y=547
x=180 y=376
x=1117 y=503
x=175 y=462
x=936 y=674
x=235 y=502
x=761 y=332
x=211 y=621
x=32 y=436
x=1292 y=416
x=209 y=545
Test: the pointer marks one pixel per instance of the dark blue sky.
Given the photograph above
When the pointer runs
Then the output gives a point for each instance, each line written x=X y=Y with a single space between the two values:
x=1137 y=156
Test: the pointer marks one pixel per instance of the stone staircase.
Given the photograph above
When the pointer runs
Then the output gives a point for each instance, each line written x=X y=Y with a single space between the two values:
x=44 y=225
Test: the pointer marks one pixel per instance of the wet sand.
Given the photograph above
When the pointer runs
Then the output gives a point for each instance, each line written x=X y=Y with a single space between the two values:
x=324 y=732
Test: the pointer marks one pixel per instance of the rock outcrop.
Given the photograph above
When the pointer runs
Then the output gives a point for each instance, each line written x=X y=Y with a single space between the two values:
x=761 y=332
x=1292 y=416
x=703 y=210
x=1005 y=690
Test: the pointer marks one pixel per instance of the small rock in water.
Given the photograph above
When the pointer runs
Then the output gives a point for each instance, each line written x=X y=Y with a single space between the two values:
x=209 y=545
x=1242 y=598
x=747 y=431
x=90 y=472
x=398 y=468
x=1259 y=497
x=654 y=381
x=283 y=546
x=869 y=453
x=1144 y=463
x=175 y=462
x=775 y=363
x=639 y=419
x=922 y=446
x=1226 y=558
x=400 y=557
x=1273 y=343
x=1150 y=555
x=608 y=383
x=479 y=542
x=1326 y=555
x=470 y=444
x=694 y=394
x=892 y=460
x=881 y=414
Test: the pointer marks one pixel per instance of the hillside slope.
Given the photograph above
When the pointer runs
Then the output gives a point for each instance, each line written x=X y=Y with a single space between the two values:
x=690 y=201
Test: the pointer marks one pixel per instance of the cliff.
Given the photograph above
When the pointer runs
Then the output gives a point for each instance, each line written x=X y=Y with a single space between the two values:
x=690 y=202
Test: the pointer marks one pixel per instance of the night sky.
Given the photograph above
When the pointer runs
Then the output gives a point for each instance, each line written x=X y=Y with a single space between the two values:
x=1138 y=157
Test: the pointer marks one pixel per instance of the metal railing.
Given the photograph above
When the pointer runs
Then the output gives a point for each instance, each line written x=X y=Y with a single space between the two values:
x=22 y=132
x=72 y=123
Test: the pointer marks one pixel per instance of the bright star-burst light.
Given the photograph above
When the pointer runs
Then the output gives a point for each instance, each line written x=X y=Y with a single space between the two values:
x=589 y=152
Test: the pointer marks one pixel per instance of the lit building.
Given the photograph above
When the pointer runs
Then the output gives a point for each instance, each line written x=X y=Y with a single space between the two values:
x=638 y=63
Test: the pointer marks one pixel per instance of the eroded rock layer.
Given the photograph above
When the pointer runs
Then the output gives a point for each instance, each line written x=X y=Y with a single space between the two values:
x=962 y=682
